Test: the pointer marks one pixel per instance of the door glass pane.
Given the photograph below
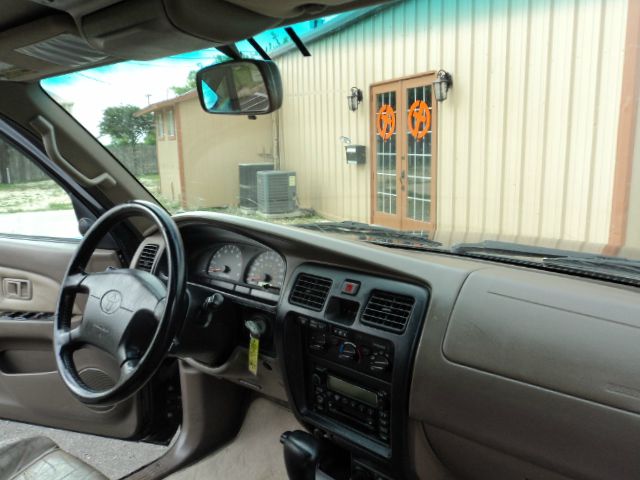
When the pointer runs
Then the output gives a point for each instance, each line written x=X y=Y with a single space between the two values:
x=419 y=134
x=386 y=152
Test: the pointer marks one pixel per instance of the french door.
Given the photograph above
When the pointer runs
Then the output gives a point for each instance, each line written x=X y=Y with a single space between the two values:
x=403 y=150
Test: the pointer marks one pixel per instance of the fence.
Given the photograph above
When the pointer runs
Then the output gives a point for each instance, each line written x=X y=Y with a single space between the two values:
x=139 y=160
x=16 y=168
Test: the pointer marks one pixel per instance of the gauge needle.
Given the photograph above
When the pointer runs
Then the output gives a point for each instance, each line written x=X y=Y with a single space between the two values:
x=219 y=269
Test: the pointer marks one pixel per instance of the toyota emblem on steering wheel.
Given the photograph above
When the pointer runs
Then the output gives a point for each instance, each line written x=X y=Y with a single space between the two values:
x=111 y=301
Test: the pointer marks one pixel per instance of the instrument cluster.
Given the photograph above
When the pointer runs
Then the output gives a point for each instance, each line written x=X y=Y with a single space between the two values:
x=246 y=264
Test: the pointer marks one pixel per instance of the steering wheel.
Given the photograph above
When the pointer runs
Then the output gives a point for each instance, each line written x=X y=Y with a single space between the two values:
x=130 y=314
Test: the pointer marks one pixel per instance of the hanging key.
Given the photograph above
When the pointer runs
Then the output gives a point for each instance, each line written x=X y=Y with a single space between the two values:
x=257 y=327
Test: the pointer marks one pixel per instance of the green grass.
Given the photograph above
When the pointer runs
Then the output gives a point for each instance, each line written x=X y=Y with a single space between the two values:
x=60 y=206
x=152 y=183
x=33 y=197
x=46 y=195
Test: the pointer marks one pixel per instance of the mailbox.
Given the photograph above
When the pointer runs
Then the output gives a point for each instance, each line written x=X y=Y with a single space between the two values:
x=355 y=154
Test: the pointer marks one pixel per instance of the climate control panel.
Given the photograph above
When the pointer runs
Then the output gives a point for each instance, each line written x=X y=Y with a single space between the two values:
x=356 y=350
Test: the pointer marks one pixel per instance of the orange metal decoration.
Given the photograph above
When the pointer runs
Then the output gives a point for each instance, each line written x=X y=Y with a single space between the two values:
x=419 y=120
x=386 y=121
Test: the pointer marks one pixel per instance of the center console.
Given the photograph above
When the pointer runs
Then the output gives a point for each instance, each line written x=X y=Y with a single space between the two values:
x=348 y=341
x=345 y=397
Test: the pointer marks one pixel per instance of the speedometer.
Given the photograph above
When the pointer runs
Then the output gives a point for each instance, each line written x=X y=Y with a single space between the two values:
x=267 y=270
x=226 y=263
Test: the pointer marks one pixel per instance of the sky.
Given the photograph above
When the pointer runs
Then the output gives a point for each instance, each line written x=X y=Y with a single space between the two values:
x=143 y=82
x=128 y=83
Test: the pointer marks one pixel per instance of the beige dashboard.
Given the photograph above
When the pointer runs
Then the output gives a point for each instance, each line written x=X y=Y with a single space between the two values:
x=518 y=373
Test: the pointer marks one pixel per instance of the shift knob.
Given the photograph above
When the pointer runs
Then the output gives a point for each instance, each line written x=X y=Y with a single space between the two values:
x=301 y=454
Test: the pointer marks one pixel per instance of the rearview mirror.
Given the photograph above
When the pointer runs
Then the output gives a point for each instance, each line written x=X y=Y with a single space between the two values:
x=240 y=87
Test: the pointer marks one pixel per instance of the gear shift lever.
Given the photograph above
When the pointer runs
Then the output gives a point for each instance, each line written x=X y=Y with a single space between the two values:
x=301 y=454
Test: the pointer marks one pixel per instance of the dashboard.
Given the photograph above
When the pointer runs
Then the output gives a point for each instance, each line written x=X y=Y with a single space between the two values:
x=421 y=365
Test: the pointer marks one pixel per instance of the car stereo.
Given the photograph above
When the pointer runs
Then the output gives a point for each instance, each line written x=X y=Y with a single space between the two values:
x=360 y=407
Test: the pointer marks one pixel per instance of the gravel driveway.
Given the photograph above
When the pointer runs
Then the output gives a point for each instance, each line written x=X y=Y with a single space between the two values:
x=114 y=458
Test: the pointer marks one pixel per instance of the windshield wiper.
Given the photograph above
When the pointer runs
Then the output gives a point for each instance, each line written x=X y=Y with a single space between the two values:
x=602 y=264
x=554 y=257
x=372 y=233
x=515 y=249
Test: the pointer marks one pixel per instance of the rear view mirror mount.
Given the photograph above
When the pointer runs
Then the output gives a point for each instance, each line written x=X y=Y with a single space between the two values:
x=240 y=87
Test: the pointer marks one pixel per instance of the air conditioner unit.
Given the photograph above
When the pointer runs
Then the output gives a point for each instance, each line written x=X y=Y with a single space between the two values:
x=249 y=183
x=276 y=192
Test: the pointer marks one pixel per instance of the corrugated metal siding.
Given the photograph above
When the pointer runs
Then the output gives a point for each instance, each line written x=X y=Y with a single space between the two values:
x=529 y=128
x=632 y=244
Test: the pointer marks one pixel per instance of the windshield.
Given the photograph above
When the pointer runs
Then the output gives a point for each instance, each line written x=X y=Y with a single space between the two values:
x=514 y=123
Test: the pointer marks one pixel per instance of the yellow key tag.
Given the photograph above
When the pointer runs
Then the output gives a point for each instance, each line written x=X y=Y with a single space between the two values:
x=254 y=346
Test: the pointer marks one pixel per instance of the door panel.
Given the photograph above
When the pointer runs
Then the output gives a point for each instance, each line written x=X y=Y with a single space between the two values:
x=386 y=180
x=419 y=154
x=31 y=389
x=404 y=147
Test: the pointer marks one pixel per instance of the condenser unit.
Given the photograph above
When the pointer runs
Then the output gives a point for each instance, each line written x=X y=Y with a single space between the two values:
x=276 y=192
x=249 y=183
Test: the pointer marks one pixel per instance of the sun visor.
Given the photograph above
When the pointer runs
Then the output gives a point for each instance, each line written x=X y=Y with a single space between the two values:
x=42 y=47
x=64 y=49
x=219 y=21
x=139 y=30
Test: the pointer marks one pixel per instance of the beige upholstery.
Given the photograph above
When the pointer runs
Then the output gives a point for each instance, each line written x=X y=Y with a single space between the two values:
x=38 y=458
x=255 y=454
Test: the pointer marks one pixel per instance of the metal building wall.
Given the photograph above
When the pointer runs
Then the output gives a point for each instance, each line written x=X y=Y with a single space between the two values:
x=529 y=127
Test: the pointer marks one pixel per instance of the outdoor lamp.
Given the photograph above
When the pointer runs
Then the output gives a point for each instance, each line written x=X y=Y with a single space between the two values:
x=354 y=99
x=442 y=85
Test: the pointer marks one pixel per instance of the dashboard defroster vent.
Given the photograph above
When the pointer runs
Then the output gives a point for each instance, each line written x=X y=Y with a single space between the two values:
x=147 y=257
x=310 y=291
x=388 y=311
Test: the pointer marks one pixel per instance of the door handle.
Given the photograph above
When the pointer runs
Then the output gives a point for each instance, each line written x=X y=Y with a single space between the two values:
x=48 y=134
x=17 y=288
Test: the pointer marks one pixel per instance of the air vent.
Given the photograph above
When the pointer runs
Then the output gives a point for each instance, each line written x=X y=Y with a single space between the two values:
x=147 y=257
x=388 y=311
x=310 y=291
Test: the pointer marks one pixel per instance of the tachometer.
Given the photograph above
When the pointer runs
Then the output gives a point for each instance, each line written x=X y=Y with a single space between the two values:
x=226 y=263
x=267 y=270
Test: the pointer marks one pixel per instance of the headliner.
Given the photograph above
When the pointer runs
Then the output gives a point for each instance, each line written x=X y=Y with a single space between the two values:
x=41 y=38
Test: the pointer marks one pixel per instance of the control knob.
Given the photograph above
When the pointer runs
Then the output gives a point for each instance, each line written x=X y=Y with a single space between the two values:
x=348 y=351
x=378 y=363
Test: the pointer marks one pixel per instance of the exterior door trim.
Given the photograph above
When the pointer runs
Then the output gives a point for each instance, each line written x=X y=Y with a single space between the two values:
x=399 y=220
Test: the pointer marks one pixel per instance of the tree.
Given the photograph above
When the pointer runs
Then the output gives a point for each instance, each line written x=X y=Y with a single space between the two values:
x=191 y=76
x=123 y=127
x=190 y=85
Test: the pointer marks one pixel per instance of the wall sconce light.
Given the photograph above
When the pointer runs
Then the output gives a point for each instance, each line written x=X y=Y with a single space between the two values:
x=354 y=99
x=442 y=85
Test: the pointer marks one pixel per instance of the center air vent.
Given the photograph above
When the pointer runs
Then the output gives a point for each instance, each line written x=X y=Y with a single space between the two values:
x=388 y=311
x=310 y=291
x=147 y=257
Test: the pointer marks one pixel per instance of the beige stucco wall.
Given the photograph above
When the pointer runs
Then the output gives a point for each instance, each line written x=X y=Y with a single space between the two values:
x=168 y=169
x=526 y=140
x=212 y=148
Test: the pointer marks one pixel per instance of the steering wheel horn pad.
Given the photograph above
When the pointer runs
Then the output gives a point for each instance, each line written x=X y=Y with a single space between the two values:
x=130 y=314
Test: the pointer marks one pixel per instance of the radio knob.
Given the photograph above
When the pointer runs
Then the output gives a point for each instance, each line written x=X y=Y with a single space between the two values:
x=378 y=363
x=348 y=351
